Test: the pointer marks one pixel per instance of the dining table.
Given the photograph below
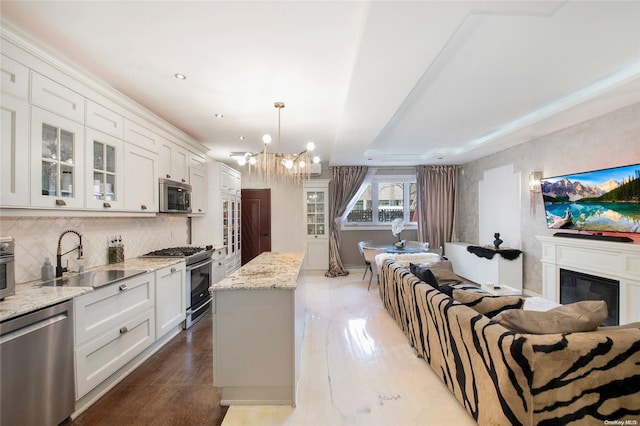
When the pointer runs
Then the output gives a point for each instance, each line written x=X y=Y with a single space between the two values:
x=395 y=250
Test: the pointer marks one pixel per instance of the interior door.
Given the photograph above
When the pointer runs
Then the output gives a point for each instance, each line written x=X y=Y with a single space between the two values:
x=256 y=223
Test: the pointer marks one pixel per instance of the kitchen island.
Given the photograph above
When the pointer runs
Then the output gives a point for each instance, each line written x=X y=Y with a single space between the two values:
x=258 y=328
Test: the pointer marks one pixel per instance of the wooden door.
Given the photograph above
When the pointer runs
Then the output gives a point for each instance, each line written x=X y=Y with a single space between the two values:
x=256 y=223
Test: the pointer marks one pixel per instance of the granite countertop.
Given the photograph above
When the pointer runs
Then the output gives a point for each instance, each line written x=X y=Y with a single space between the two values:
x=277 y=270
x=31 y=296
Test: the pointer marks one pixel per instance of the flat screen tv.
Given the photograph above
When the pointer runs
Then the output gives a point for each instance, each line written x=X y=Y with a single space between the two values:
x=606 y=200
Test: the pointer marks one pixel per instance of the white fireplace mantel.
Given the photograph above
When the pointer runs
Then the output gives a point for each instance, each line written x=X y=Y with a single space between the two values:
x=614 y=260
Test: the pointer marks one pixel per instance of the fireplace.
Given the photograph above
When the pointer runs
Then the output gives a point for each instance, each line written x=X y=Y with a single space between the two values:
x=614 y=261
x=576 y=286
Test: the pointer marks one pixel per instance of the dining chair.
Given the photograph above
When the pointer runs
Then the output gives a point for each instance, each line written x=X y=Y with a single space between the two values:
x=361 y=245
x=370 y=254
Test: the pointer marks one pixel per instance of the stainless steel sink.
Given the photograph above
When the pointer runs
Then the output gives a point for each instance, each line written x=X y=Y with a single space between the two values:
x=94 y=279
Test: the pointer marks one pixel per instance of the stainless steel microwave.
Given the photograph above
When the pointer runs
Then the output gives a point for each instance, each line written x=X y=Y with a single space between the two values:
x=175 y=197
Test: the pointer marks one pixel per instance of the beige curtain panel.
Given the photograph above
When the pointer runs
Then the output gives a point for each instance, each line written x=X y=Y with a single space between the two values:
x=436 y=187
x=344 y=186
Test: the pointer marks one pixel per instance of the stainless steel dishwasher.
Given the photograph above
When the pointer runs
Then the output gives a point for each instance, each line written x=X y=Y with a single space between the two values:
x=36 y=367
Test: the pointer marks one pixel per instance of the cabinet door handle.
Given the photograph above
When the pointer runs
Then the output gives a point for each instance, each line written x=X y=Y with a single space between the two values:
x=106 y=205
x=123 y=287
x=60 y=203
x=183 y=181
x=143 y=207
x=173 y=270
x=168 y=176
x=123 y=330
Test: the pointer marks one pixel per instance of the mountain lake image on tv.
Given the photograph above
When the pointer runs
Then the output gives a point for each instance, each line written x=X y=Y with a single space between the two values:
x=606 y=200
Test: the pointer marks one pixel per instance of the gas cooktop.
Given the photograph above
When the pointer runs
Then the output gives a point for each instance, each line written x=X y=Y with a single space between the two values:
x=191 y=254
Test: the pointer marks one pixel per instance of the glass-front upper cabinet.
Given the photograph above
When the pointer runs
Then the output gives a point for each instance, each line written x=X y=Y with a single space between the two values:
x=104 y=171
x=316 y=212
x=225 y=224
x=57 y=172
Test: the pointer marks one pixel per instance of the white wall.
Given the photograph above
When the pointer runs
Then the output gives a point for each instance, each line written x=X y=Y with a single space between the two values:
x=286 y=212
x=607 y=141
x=36 y=238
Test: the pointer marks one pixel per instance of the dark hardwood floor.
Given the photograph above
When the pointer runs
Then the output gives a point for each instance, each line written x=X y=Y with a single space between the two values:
x=173 y=387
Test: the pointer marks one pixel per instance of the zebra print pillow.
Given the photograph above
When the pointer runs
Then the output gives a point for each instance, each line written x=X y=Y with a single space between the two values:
x=488 y=305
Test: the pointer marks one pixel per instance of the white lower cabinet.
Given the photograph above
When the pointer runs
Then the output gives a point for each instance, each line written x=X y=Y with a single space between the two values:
x=170 y=298
x=112 y=325
x=99 y=358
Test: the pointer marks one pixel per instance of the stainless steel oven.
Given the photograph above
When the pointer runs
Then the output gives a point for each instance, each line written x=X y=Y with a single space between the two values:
x=7 y=267
x=198 y=297
x=199 y=264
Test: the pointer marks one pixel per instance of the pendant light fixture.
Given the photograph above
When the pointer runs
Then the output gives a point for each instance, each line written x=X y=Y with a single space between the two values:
x=279 y=165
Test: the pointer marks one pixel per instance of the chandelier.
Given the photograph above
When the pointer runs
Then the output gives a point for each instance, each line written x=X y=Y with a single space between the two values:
x=278 y=165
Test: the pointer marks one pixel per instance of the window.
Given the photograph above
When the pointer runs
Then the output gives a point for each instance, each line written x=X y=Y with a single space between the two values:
x=384 y=199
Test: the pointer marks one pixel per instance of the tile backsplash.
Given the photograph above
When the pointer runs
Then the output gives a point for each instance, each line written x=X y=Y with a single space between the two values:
x=36 y=239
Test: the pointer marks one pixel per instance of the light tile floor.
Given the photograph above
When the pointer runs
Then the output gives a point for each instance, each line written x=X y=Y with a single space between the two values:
x=357 y=367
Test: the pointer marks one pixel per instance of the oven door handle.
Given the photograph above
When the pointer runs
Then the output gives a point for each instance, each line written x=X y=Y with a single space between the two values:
x=200 y=264
x=201 y=307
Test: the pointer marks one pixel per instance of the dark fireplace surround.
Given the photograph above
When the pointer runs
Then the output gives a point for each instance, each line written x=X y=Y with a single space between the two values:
x=576 y=286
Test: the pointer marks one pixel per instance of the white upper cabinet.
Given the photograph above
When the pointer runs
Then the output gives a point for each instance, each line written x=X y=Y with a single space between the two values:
x=174 y=161
x=104 y=171
x=105 y=120
x=57 y=160
x=55 y=97
x=197 y=180
x=14 y=152
x=15 y=77
x=140 y=173
x=141 y=136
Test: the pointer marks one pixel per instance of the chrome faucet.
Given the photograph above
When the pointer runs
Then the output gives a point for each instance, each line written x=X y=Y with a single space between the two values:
x=59 y=268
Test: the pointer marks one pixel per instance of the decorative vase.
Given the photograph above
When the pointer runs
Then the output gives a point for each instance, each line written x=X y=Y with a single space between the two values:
x=497 y=241
x=399 y=244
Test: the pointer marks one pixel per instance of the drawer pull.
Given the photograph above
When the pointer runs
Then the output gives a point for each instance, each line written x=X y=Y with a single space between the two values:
x=106 y=205
x=123 y=330
x=173 y=270
x=143 y=207
x=60 y=203
x=123 y=287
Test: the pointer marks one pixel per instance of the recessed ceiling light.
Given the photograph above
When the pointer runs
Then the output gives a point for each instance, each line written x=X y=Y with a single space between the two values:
x=241 y=138
x=180 y=76
x=218 y=115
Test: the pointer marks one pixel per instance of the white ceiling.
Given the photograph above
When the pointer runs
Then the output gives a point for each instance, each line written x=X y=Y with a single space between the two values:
x=375 y=83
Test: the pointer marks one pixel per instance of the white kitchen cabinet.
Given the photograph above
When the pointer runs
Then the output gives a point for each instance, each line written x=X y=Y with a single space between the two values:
x=104 y=171
x=141 y=182
x=57 y=161
x=112 y=325
x=174 y=161
x=14 y=152
x=316 y=215
x=54 y=97
x=220 y=225
x=170 y=298
x=141 y=135
x=99 y=358
x=104 y=120
x=197 y=180
x=14 y=78
x=231 y=231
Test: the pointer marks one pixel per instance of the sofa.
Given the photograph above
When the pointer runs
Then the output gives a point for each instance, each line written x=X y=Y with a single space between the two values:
x=502 y=377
